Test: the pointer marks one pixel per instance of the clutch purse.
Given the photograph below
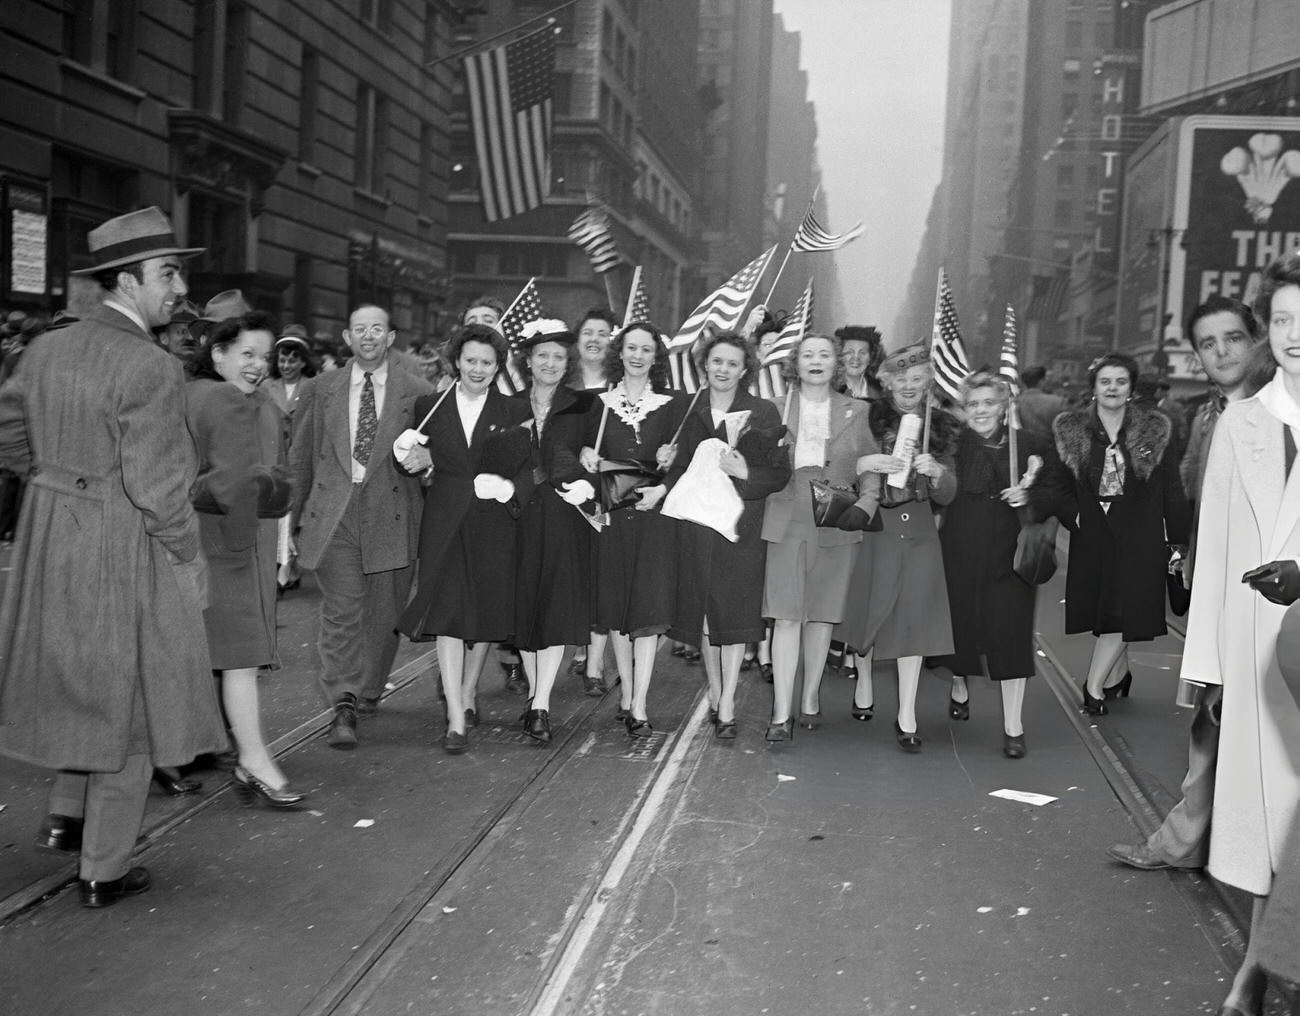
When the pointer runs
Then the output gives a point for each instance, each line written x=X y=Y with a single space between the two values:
x=830 y=501
x=269 y=485
x=618 y=480
x=1035 y=558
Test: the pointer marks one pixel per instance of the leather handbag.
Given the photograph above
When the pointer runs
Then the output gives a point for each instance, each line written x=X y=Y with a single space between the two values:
x=1035 y=558
x=268 y=484
x=618 y=480
x=1180 y=597
x=830 y=501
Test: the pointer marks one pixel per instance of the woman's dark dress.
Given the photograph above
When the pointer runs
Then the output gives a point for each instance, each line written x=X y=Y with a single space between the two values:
x=465 y=586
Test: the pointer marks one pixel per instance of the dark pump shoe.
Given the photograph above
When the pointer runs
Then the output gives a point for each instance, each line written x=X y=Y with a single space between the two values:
x=343 y=728
x=455 y=743
x=175 y=785
x=58 y=832
x=593 y=685
x=1013 y=747
x=106 y=892
x=537 y=725
x=516 y=683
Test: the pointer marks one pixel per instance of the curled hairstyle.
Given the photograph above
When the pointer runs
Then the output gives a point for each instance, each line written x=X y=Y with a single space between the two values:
x=614 y=369
x=1220 y=305
x=790 y=366
x=869 y=335
x=303 y=354
x=985 y=379
x=748 y=354
x=597 y=314
x=485 y=334
x=521 y=357
x=1285 y=271
x=1113 y=359
x=224 y=333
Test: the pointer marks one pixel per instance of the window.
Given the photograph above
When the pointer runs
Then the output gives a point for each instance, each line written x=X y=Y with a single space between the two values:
x=371 y=145
x=1064 y=213
x=377 y=14
x=233 y=57
x=1074 y=35
x=563 y=84
x=302 y=289
x=1102 y=34
x=308 y=87
x=424 y=189
x=1065 y=175
x=113 y=51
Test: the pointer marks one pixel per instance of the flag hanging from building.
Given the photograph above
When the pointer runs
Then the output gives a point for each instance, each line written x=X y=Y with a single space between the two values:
x=527 y=306
x=770 y=382
x=720 y=312
x=810 y=236
x=947 y=351
x=591 y=232
x=511 y=103
x=638 y=300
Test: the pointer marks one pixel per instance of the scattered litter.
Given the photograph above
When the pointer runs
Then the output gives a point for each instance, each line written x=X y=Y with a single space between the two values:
x=3 y=807
x=364 y=823
x=783 y=778
x=390 y=686
x=448 y=910
x=1023 y=796
x=1021 y=911
x=983 y=910
x=318 y=814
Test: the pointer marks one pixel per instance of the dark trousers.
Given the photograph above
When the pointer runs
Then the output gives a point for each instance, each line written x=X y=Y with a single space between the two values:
x=111 y=806
x=11 y=498
x=1183 y=839
x=358 y=614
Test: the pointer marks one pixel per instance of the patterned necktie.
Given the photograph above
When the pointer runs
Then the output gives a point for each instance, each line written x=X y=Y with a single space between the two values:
x=367 y=423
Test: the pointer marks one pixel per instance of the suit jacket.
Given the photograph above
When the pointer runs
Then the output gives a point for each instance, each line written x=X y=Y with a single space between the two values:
x=320 y=464
x=850 y=439
x=288 y=406
x=101 y=618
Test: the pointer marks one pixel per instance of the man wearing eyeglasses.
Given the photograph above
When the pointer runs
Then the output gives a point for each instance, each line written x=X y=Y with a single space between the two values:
x=357 y=516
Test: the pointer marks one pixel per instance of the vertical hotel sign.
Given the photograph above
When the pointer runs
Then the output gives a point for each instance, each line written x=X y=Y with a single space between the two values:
x=1118 y=73
x=26 y=226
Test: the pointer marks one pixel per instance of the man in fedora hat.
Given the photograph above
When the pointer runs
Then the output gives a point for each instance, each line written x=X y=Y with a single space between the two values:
x=104 y=668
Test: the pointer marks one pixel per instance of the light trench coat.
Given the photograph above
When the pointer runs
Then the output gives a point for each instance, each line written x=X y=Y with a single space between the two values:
x=1250 y=514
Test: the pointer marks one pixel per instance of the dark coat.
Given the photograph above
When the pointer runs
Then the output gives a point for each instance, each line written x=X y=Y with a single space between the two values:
x=467 y=544
x=992 y=608
x=102 y=647
x=1118 y=560
x=553 y=589
x=716 y=578
x=320 y=463
x=234 y=433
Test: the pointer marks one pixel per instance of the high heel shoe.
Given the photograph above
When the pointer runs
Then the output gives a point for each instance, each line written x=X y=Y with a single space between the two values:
x=175 y=786
x=958 y=710
x=778 y=732
x=725 y=730
x=713 y=716
x=622 y=714
x=1120 y=688
x=810 y=721
x=1093 y=706
x=909 y=741
x=1013 y=747
x=252 y=791
x=638 y=728
x=863 y=713
x=537 y=725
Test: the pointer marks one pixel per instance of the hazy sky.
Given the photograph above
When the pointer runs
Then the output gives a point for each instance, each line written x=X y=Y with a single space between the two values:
x=877 y=70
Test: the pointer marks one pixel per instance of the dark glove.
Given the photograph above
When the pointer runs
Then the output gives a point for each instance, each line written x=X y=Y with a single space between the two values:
x=1278 y=582
x=853 y=520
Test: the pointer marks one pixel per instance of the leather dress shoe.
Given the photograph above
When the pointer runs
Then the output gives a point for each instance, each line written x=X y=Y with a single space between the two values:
x=537 y=725
x=106 y=892
x=516 y=683
x=908 y=740
x=175 y=786
x=59 y=833
x=454 y=743
x=343 y=728
x=1143 y=858
x=1013 y=747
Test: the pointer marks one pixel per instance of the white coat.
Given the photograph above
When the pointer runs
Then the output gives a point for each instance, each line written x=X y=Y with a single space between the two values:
x=1250 y=514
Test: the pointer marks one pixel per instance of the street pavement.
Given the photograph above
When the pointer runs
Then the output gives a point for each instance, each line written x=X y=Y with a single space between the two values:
x=684 y=875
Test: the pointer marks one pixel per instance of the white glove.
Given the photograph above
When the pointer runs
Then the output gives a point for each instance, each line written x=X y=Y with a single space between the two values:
x=577 y=492
x=407 y=440
x=490 y=487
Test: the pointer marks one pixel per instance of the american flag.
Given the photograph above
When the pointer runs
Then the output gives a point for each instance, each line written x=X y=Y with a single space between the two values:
x=527 y=307
x=1009 y=365
x=810 y=236
x=510 y=107
x=947 y=351
x=591 y=232
x=638 y=300
x=770 y=381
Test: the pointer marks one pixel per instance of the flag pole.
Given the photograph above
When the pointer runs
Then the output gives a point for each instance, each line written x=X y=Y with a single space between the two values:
x=689 y=409
x=518 y=297
x=812 y=201
x=934 y=335
x=1012 y=447
x=609 y=289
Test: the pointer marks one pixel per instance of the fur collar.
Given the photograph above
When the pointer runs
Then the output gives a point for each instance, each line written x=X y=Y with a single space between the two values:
x=1145 y=436
x=884 y=425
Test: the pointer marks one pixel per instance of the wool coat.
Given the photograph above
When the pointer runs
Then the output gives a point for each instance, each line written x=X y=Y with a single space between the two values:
x=717 y=579
x=466 y=582
x=320 y=466
x=102 y=647
x=1250 y=514
x=1118 y=560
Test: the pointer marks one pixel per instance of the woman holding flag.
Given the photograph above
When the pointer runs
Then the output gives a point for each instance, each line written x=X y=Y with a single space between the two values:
x=719 y=579
x=808 y=567
x=898 y=594
x=992 y=608
x=636 y=580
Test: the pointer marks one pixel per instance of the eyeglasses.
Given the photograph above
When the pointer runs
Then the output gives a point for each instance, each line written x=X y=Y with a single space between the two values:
x=374 y=331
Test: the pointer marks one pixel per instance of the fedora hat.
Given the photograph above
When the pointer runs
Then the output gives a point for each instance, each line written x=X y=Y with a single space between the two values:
x=225 y=305
x=135 y=236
